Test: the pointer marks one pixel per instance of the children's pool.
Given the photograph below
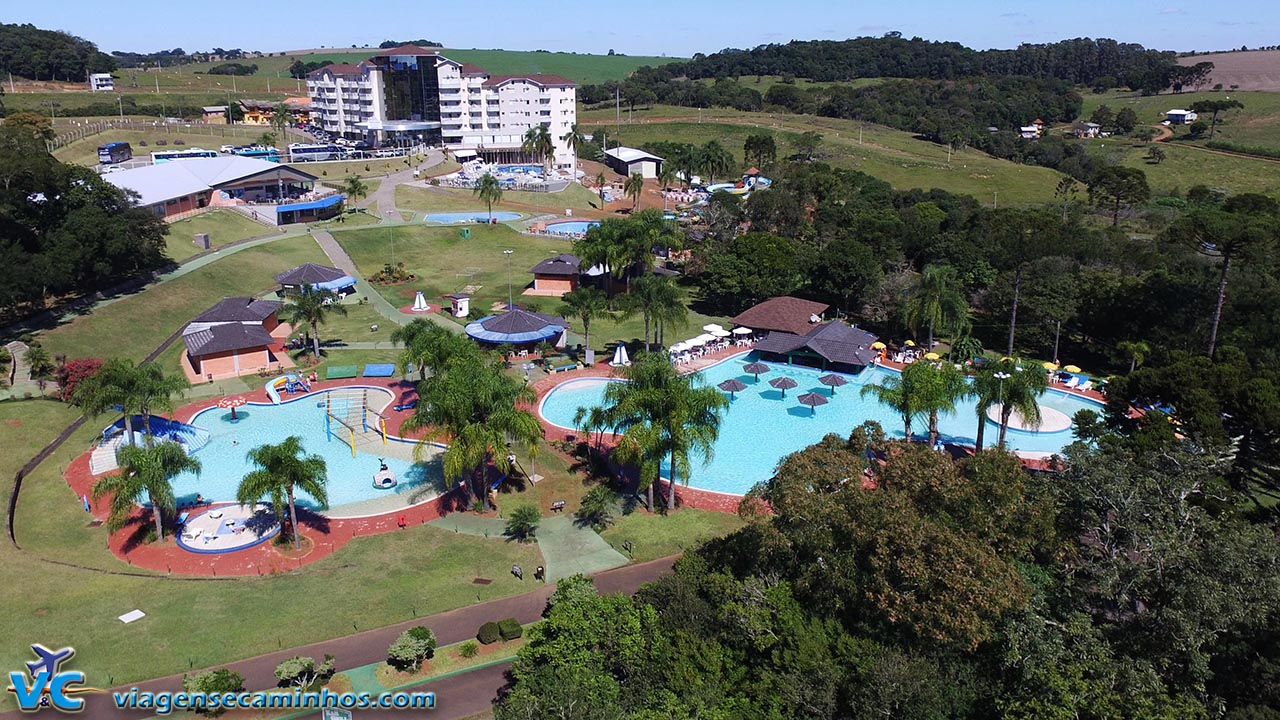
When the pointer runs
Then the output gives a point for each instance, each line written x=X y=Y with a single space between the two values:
x=471 y=217
x=571 y=227
x=761 y=426
x=224 y=460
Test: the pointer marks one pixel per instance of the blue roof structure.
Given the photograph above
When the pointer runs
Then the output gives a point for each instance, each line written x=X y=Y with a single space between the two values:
x=313 y=205
x=517 y=327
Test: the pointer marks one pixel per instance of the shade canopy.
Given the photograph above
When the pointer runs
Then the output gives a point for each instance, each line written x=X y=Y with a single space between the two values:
x=231 y=402
x=1071 y=369
x=678 y=347
x=732 y=385
x=692 y=342
x=620 y=356
x=742 y=331
x=721 y=333
x=784 y=384
x=813 y=400
x=756 y=368
x=706 y=338
x=910 y=343
x=1048 y=366
x=517 y=326
x=833 y=382
x=931 y=356
x=712 y=328
x=877 y=345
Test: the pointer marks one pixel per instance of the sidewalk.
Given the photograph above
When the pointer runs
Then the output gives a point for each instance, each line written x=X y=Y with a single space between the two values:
x=454 y=694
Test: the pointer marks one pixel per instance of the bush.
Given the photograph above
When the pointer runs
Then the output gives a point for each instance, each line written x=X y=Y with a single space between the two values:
x=411 y=648
x=211 y=682
x=489 y=633
x=523 y=522
x=469 y=649
x=509 y=629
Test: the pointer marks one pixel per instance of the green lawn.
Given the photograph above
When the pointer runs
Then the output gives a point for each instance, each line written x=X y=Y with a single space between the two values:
x=1187 y=166
x=134 y=325
x=894 y=156
x=443 y=199
x=209 y=137
x=1256 y=124
x=223 y=226
x=656 y=536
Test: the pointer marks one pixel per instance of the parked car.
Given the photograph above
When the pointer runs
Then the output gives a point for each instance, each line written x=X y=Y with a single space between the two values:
x=227 y=149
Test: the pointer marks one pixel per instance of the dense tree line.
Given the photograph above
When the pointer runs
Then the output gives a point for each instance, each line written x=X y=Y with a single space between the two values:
x=63 y=229
x=397 y=43
x=176 y=56
x=1079 y=61
x=29 y=52
x=233 y=69
x=300 y=69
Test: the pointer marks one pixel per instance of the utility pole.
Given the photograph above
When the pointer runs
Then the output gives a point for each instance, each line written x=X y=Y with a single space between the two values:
x=995 y=205
x=617 y=104
x=120 y=101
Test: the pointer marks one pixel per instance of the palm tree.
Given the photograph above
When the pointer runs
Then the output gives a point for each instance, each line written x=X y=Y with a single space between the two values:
x=574 y=138
x=156 y=392
x=355 y=189
x=902 y=396
x=310 y=306
x=987 y=389
x=600 y=178
x=114 y=385
x=539 y=143
x=1135 y=350
x=1021 y=391
x=652 y=297
x=666 y=176
x=633 y=187
x=280 y=470
x=936 y=302
x=145 y=472
x=604 y=245
x=715 y=160
x=586 y=303
x=964 y=348
x=661 y=413
x=939 y=389
x=280 y=122
x=479 y=410
x=489 y=190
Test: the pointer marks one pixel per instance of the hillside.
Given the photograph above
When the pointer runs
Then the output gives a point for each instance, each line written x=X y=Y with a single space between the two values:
x=1255 y=125
x=1250 y=70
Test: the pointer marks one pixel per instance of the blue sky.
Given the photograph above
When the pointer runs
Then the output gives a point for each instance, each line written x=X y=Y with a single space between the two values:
x=655 y=27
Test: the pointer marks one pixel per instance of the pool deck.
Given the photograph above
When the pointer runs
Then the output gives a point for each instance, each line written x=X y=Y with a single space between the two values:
x=327 y=534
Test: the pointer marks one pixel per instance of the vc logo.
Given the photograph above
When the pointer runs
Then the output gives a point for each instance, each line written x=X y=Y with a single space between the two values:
x=48 y=684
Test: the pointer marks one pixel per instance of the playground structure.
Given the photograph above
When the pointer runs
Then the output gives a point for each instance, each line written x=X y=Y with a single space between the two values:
x=292 y=384
x=348 y=417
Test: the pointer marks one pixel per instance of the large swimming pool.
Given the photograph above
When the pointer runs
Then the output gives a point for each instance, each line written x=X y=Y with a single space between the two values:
x=224 y=463
x=470 y=217
x=761 y=427
x=571 y=227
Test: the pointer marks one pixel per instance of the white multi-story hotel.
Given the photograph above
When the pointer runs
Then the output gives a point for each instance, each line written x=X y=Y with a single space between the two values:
x=411 y=94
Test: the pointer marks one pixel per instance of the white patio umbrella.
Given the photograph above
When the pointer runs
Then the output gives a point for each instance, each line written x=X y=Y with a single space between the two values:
x=721 y=333
x=711 y=327
x=742 y=331
x=706 y=338
x=620 y=357
x=678 y=348
x=692 y=342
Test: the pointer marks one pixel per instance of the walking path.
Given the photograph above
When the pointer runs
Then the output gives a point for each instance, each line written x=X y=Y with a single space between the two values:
x=456 y=697
x=21 y=373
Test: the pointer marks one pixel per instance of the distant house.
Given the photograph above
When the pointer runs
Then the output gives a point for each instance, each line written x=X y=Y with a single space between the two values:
x=1038 y=124
x=1029 y=132
x=831 y=345
x=317 y=276
x=555 y=276
x=232 y=338
x=214 y=114
x=782 y=314
x=101 y=82
x=1180 y=117
x=1086 y=130
x=629 y=161
x=260 y=112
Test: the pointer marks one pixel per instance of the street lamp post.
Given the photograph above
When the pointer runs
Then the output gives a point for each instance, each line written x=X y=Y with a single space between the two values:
x=508 y=253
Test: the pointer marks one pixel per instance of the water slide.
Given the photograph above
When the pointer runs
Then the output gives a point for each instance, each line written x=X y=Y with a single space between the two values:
x=271 y=389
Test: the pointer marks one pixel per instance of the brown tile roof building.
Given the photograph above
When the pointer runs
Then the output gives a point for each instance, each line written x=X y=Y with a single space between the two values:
x=783 y=314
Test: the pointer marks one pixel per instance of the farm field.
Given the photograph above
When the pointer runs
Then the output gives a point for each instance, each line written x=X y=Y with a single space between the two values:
x=1257 y=124
x=1251 y=70
x=894 y=156
x=1187 y=166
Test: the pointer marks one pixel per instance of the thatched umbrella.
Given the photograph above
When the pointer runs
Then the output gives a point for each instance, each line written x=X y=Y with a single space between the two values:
x=731 y=386
x=783 y=384
x=233 y=403
x=833 y=382
x=813 y=400
x=756 y=368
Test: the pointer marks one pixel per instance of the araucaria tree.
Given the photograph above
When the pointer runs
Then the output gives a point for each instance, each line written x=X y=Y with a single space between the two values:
x=1119 y=187
x=145 y=473
x=279 y=471
x=311 y=306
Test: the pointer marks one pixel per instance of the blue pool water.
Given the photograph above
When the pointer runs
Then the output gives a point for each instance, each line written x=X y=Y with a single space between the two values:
x=519 y=169
x=571 y=227
x=760 y=427
x=471 y=217
x=224 y=463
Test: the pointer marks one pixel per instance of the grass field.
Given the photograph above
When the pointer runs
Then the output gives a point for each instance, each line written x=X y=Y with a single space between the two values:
x=1187 y=166
x=1257 y=124
x=135 y=324
x=223 y=226
x=190 y=135
x=893 y=156
x=656 y=536
x=443 y=199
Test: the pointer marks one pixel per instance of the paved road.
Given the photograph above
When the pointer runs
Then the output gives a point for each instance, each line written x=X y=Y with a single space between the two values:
x=456 y=696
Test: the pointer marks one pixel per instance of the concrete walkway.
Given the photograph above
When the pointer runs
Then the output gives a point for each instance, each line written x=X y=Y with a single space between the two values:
x=22 y=382
x=384 y=198
x=457 y=696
